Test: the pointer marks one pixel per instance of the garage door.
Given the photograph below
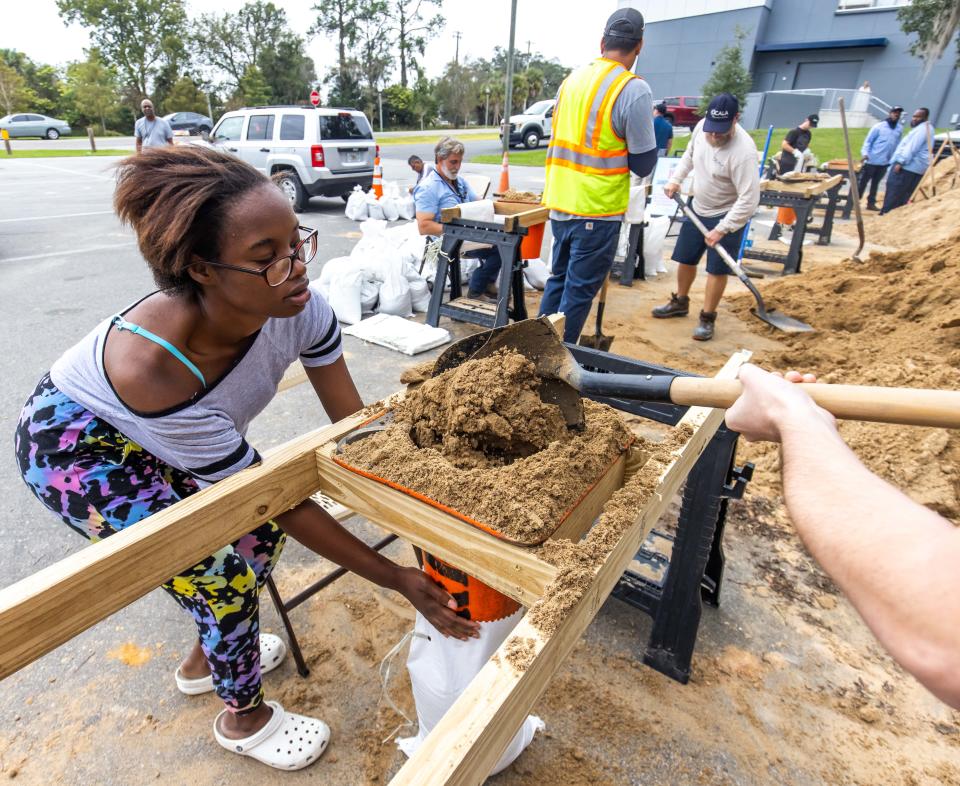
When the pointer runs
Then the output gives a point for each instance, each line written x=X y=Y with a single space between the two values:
x=842 y=74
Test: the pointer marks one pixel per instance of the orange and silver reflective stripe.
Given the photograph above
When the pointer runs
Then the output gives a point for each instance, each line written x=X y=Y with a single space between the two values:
x=598 y=88
x=603 y=165
x=590 y=151
x=591 y=128
x=608 y=100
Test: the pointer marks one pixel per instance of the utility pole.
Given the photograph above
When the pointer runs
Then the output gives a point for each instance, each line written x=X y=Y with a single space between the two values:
x=509 y=92
x=456 y=58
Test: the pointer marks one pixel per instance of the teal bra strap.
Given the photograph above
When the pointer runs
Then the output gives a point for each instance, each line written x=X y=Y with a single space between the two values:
x=122 y=324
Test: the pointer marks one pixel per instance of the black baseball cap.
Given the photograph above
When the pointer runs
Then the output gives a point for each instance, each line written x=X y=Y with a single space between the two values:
x=721 y=113
x=625 y=23
x=896 y=109
x=814 y=120
x=661 y=107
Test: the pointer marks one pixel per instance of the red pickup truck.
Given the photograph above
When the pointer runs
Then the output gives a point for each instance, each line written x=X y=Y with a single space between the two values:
x=683 y=108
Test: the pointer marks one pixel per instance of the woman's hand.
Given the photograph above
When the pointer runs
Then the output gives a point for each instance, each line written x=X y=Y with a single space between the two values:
x=435 y=603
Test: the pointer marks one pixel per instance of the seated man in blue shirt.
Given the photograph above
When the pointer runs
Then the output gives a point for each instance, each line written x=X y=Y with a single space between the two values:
x=443 y=187
x=910 y=161
x=878 y=148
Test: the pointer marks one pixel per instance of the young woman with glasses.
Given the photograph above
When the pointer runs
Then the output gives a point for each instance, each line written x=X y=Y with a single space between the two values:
x=153 y=404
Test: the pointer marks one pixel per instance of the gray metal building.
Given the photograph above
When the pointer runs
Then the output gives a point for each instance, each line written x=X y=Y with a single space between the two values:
x=795 y=45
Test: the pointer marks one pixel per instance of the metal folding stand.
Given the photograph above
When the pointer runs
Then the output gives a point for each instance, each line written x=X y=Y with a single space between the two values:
x=845 y=199
x=802 y=206
x=827 y=202
x=676 y=573
x=464 y=309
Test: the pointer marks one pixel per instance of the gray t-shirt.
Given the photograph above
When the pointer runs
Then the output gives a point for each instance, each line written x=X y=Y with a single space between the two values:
x=154 y=133
x=632 y=119
x=205 y=435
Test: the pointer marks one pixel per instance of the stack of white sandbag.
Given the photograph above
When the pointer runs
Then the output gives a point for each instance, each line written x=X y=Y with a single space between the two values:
x=394 y=205
x=380 y=275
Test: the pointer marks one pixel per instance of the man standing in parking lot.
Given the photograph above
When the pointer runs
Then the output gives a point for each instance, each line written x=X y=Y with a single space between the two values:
x=662 y=129
x=150 y=130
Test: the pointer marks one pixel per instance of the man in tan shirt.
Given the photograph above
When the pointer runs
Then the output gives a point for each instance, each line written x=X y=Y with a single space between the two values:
x=724 y=162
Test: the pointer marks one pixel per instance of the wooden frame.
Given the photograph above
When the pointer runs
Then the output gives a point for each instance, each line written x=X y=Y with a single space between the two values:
x=805 y=188
x=519 y=214
x=47 y=609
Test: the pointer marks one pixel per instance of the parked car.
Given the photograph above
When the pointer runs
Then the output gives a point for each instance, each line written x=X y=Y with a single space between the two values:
x=192 y=122
x=316 y=152
x=532 y=126
x=941 y=149
x=683 y=108
x=34 y=125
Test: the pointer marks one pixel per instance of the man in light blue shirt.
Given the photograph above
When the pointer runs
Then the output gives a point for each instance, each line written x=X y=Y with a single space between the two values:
x=878 y=148
x=443 y=187
x=910 y=161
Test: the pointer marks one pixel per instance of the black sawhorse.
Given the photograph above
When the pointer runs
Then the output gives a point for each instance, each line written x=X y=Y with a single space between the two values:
x=693 y=573
x=847 y=197
x=464 y=309
x=672 y=588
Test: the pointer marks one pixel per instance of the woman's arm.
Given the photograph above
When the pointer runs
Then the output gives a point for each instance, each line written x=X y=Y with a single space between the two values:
x=335 y=389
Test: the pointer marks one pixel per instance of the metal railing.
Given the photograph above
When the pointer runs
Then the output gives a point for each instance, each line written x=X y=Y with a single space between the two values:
x=855 y=100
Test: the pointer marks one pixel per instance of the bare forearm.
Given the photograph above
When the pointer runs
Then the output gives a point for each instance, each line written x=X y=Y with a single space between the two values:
x=312 y=526
x=895 y=560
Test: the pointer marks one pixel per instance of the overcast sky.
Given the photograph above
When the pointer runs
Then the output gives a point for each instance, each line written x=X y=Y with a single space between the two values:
x=568 y=30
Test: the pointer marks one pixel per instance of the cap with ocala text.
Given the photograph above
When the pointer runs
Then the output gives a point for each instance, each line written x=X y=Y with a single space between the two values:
x=721 y=113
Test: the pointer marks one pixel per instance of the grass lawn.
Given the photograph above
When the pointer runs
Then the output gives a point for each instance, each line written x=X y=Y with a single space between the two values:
x=62 y=153
x=827 y=144
x=432 y=138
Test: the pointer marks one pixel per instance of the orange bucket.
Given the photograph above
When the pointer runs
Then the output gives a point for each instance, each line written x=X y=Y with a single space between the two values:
x=532 y=242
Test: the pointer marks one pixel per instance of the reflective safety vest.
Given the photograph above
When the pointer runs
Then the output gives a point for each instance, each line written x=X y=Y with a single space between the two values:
x=587 y=172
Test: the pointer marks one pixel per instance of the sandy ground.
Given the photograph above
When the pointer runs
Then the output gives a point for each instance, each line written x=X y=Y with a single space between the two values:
x=788 y=685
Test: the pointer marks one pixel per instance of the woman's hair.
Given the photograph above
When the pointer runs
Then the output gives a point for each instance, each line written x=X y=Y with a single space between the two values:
x=177 y=199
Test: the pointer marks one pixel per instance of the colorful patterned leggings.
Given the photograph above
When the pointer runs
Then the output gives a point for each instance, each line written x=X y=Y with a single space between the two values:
x=99 y=482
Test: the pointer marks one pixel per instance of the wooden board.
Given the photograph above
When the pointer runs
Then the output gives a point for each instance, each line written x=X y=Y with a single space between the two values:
x=473 y=734
x=53 y=605
x=804 y=188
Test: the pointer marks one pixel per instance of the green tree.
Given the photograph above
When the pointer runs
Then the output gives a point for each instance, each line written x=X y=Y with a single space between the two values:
x=535 y=79
x=92 y=89
x=934 y=23
x=374 y=51
x=398 y=106
x=42 y=82
x=456 y=92
x=254 y=90
x=289 y=73
x=338 y=19
x=15 y=94
x=424 y=103
x=185 y=96
x=136 y=37
x=729 y=73
x=413 y=31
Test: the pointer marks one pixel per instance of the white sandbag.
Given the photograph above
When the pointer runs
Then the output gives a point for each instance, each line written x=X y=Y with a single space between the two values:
x=330 y=269
x=406 y=207
x=399 y=334
x=395 y=295
x=345 y=293
x=654 y=236
x=369 y=295
x=391 y=190
x=389 y=207
x=420 y=295
x=441 y=669
x=536 y=273
x=356 y=208
x=636 y=205
x=623 y=242
x=375 y=210
x=481 y=210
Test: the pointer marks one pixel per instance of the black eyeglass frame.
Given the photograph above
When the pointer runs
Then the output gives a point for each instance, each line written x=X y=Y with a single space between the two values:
x=312 y=234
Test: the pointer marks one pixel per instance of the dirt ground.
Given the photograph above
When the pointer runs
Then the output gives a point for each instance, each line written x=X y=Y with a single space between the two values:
x=788 y=685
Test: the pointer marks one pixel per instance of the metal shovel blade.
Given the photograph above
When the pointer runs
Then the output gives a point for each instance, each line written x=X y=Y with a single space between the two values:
x=782 y=321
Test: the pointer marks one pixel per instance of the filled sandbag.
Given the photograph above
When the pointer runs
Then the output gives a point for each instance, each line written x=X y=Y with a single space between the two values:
x=406 y=207
x=654 y=237
x=356 y=208
x=345 y=293
x=389 y=207
x=536 y=273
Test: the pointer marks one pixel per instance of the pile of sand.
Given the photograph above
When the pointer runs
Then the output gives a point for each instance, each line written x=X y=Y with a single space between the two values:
x=928 y=221
x=894 y=321
x=479 y=440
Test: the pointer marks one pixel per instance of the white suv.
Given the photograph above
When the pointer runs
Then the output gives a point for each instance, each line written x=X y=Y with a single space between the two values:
x=316 y=152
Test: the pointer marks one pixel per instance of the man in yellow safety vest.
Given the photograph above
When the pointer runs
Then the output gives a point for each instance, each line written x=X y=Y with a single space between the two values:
x=602 y=131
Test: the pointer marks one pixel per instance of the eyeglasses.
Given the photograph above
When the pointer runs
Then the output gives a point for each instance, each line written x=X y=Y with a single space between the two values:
x=278 y=271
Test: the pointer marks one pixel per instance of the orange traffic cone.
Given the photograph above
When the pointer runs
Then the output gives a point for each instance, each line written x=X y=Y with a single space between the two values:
x=505 y=174
x=377 y=178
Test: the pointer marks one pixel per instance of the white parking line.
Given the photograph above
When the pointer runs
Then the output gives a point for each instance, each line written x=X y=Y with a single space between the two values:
x=73 y=252
x=56 y=218
x=71 y=171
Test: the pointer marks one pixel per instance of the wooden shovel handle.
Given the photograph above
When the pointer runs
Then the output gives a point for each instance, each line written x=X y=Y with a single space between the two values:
x=907 y=406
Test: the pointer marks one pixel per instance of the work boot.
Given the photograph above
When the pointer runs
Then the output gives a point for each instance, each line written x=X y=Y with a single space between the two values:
x=679 y=306
x=872 y=207
x=704 y=331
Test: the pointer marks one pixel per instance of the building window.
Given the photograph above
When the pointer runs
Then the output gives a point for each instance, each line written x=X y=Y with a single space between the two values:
x=869 y=5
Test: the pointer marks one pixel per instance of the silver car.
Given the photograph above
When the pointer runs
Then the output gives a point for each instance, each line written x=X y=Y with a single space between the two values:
x=312 y=152
x=34 y=125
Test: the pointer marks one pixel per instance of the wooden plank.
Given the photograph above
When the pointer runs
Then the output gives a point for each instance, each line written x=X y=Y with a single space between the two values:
x=513 y=570
x=527 y=218
x=579 y=521
x=447 y=214
x=804 y=188
x=53 y=605
x=473 y=734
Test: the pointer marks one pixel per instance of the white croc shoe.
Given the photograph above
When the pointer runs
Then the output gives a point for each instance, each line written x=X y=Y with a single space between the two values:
x=288 y=741
x=272 y=653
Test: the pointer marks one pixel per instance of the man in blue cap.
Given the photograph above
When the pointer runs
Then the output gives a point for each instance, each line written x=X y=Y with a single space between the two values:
x=723 y=159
